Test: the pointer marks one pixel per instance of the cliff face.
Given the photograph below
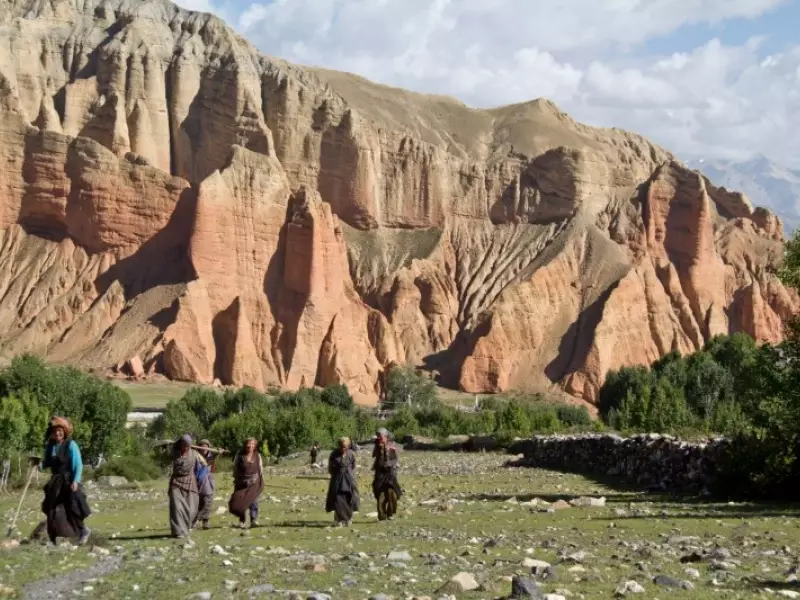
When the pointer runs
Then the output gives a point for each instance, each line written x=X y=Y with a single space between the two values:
x=167 y=192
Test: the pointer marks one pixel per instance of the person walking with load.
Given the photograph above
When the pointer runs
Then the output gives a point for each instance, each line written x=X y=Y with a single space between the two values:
x=343 y=498
x=205 y=484
x=248 y=483
x=385 y=486
x=183 y=493
x=64 y=501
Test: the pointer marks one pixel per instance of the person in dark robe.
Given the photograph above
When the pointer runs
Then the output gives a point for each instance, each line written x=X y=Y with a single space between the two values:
x=205 y=485
x=343 y=498
x=385 y=486
x=64 y=501
x=183 y=494
x=314 y=453
x=248 y=483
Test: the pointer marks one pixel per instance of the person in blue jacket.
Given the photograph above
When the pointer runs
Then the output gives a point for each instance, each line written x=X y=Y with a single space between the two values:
x=64 y=501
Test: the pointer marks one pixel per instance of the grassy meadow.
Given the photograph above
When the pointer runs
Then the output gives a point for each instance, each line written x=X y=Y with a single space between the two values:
x=460 y=513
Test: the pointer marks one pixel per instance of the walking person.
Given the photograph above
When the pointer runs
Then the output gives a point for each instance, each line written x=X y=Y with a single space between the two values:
x=385 y=486
x=248 y=483
x=205 y=485
x=343 y=498
x=64 y=501
x=183 y=493
x=314 y=453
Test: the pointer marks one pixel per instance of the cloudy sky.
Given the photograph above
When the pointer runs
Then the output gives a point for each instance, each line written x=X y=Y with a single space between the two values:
x=713 y=79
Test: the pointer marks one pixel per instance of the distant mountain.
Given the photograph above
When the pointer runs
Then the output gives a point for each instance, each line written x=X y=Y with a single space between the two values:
x=766 y=184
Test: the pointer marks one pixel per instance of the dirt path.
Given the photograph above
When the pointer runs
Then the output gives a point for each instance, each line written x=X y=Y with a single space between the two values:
x=61 y=587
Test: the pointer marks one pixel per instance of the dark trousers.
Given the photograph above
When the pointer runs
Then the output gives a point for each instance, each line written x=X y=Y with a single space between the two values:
x=253 y=512
x=387 y=504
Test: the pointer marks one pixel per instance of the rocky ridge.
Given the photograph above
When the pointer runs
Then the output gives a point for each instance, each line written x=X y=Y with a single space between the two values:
x=170 y=194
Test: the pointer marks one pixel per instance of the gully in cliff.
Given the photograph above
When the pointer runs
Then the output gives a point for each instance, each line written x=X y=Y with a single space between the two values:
x=385 y=486
x=64 y=501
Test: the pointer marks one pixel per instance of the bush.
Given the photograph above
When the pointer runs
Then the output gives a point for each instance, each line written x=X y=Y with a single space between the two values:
x=132 y=468
x=292 y=421
x=245 y=399
x=338 y=396
x=404 y=386
x=231 y=432
x=403 y=422
x=573 y=416
x=13 y=426
x=97 y=409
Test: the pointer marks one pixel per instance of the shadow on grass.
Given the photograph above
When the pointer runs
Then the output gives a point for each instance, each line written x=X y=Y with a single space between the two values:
x=304 y=524
x=625 y=492
x=133 y=537
x=758 y=584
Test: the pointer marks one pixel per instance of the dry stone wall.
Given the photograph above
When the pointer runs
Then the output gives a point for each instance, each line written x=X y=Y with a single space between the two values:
x=656 y=462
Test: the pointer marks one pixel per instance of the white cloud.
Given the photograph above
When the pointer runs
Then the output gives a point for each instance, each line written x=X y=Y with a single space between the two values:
x=716 y=101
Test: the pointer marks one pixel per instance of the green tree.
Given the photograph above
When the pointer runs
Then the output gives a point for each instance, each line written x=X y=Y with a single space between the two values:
x=177 y=420
x=206 y=404
x=107 y=410
x=618 y=384
x=13 y=426
x=514 y=420
x=708 y=384
x=338 y=396
x=667 y=410
x=244 y=399
x=403 y=422
x=405 y=386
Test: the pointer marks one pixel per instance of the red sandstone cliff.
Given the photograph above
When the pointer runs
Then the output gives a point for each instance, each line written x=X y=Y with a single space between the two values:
x=167 y=193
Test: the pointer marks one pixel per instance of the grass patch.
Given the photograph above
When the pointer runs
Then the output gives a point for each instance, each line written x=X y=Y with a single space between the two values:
x=132 y=468
x=467 y=509
x=153 y=396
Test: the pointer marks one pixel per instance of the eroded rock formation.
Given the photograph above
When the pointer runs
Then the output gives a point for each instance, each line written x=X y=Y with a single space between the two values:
x=169 y=195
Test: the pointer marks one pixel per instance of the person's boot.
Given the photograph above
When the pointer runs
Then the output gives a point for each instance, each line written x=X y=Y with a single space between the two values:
x=84 y=536
x=205 y=524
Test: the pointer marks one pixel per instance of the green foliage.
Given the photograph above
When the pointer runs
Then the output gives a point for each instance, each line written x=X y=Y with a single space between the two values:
x=403 y=422
x=244 y=399
x=132 y=468
x=573 y=416
x=715 y=390
x=291 y=422
x=338 y=396
x=13 y=426
x=404 y=386
x=97 y=409
x=177 y=420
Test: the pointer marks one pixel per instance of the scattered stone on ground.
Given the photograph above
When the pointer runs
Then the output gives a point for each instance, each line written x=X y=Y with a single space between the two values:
x=462 y=582
x=112 y=481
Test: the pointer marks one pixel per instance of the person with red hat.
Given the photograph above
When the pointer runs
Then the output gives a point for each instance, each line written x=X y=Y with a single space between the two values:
x=64 y=501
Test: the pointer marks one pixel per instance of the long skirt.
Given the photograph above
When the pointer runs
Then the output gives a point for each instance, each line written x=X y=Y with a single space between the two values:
x=182 y=511
x=244 y=498
x=204 y=508
x=343 y=507
x=65 y=509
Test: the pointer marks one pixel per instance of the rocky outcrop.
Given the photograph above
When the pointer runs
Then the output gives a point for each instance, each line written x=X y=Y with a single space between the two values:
x=168 y=193
x=657 y=462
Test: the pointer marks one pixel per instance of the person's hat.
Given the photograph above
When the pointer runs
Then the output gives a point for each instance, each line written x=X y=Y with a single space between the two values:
x=63 y=423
